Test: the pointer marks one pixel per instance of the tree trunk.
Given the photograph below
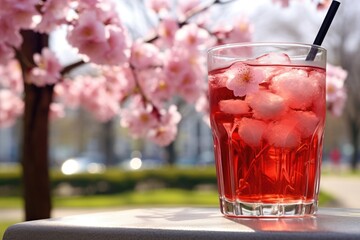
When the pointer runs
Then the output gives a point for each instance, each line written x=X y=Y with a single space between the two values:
x=354 y=136
x=108 y=142
x=35 y=164
x=171 y=155
x=36 y=181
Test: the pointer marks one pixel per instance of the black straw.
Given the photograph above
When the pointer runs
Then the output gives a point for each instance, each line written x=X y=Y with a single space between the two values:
x=323 y=29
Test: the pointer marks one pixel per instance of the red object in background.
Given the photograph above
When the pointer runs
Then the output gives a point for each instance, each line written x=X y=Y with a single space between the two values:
x=335 y=156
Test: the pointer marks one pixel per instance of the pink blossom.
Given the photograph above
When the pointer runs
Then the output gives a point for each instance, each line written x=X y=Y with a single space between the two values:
x=104 y=106
x=94 y=51
x=9 y=33
x=85 y=4
x=47 y=70
x=54 y=14
x=283 y=3
x=159 y=6
x=87 y=29
x=98 y=99
x=335 y=89
x=118 y=50
x=103 y=42
x=337 y=107
x=241 y=31
x=182 y=74
x=120 y=81
x=191 y=85
x=185 y=7
x=184 y=68
x=56 y=110
x=323 y=4
x=105 y=11
x=6 y=53
x=221 y=31
x=144 y=55
x=143 y=120
x=192 y=36
x=11 y=77
x=167 y=29
x=336 y=72
x=176 y=63
x=138 y=117
x=335 y=78
x=92 y=94
x=156 y=85
x=19 y=12
x=166 y=130
x=69 y=91
x=243 y=79
x=11 y=107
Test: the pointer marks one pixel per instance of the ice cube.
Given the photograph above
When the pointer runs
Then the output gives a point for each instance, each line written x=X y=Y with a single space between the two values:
x=305 y=122
x=270 y=72
x=319 y=78
x=234 y=106
x=251 y=131
x=296 y=87
x=266 y=105
x=273 y=58
x=282 y=134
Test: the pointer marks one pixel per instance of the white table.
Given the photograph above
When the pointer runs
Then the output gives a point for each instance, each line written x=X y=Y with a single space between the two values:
x=188 y=223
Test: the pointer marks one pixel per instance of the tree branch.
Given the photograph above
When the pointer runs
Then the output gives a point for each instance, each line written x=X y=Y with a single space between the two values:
x=197 y=10
x=200 y=9
x=72 y=66
x=24 y=62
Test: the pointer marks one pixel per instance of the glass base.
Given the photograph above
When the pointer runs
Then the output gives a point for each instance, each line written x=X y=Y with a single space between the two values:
x=245 y=209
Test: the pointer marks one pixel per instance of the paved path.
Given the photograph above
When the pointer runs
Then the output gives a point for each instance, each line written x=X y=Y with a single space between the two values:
x=346 y=190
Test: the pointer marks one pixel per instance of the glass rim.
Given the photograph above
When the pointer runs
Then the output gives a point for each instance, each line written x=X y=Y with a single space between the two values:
x=265 y=44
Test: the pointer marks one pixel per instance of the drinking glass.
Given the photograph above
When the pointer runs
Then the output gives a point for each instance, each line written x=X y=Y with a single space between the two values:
x=267 y=114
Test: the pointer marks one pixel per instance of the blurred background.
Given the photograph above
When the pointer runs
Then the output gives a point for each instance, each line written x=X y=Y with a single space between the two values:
x=98 y=167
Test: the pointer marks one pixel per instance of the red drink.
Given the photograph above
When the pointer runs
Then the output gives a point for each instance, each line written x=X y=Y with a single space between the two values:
x=268 y=130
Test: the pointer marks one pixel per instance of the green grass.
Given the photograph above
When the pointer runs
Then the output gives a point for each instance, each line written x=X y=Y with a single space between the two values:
x=325 y=199
x=4 y=225
x=154 y=197
x=10 y=202
x=341 y=173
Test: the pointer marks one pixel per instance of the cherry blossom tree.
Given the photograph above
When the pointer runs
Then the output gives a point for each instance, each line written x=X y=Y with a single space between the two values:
x=345 y=47
x=139 y=80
